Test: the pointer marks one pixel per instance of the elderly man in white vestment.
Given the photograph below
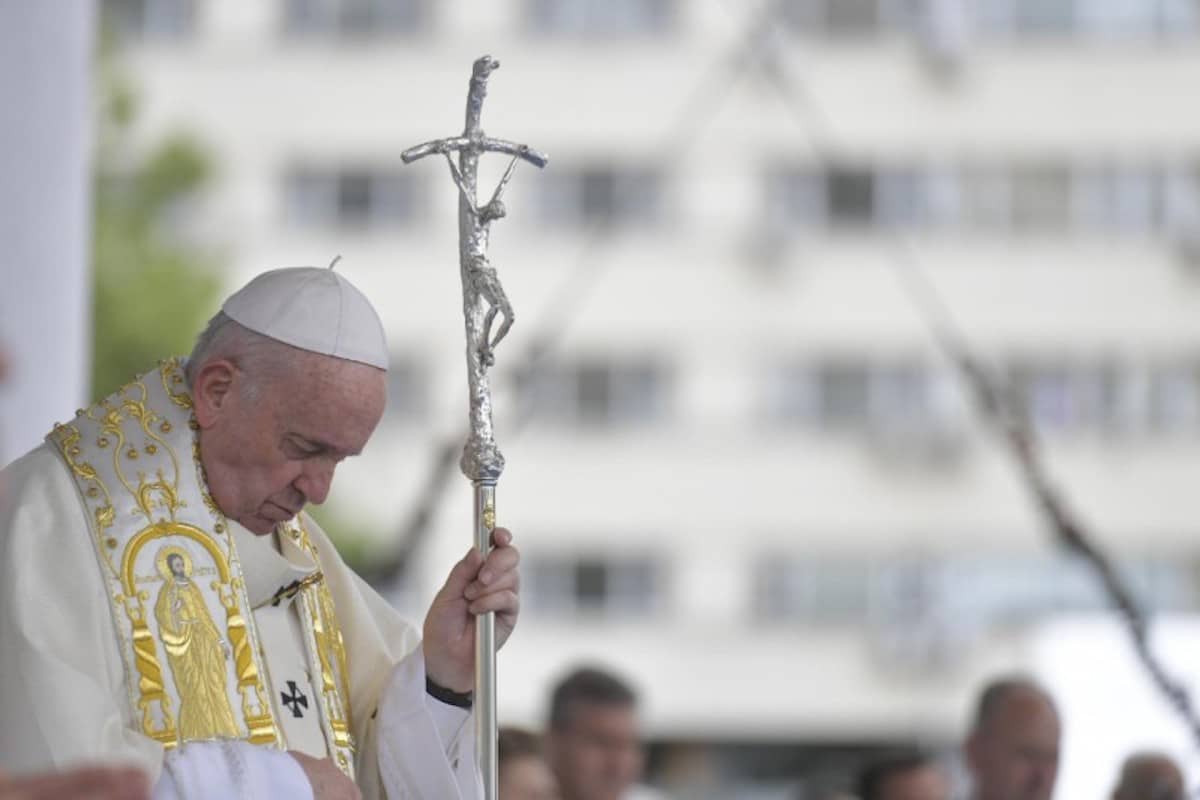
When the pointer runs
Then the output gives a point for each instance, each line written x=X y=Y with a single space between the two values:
x=165 y=601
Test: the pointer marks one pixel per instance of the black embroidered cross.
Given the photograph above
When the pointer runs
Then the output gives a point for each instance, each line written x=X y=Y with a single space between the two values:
x=295 y=700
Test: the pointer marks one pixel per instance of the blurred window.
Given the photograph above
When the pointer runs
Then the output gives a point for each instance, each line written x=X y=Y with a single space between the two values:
x=1118 y=198
x=612 y=586
x=855 y=395
x=903 y=197
x=613 y=196
x=1179 y=17
x=354 y=198
x=353 y=18
x=597 y=393
x=1181 y=200
x=848 y=18
x=1041 y=198
x=795 y=195
x=1174 y=398
x=817 y=591
x=987 y=197
x=1069 y=397
x=1104 y=19
x=407 y=389
x=1043 y=17
x=843 y=395
x=149 y=19
x=850 y=196
x=600 y=17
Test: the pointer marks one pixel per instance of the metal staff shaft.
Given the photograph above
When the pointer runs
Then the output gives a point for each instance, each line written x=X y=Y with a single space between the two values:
x=486 y=723
x=484 y=304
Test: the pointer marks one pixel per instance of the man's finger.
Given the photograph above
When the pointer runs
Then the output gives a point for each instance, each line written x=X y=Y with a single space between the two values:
x=510 y=580
x=499 y=561
x=462 y=573
x=501 y=537
x=506 y=602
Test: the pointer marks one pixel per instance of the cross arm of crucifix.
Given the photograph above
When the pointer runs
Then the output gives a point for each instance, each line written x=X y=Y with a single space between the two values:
x=482 y=144
x=478 y=145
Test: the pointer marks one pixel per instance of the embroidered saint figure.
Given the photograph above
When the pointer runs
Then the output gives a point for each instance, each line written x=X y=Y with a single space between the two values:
x=195 y=651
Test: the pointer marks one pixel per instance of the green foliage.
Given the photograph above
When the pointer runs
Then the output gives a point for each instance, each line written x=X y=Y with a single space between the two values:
x=153 y=290
x=356 y=542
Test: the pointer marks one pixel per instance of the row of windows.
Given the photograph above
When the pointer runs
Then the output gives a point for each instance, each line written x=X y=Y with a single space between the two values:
x=1017 y=200
x=838 y=396
x=848 y=591
x=1103 y=19
x=301 y=19
x=1060 y=397
x=1023 y=198
x=381 y=198
x=958 y=590
x=826 y=18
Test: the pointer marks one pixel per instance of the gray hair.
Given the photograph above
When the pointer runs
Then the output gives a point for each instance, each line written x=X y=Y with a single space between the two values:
x=260 y=358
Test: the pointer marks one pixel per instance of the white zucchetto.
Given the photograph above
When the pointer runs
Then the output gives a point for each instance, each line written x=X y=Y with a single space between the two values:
x=314 y=309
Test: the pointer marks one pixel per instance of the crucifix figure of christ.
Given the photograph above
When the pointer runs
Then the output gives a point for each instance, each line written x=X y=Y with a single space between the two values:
x=484 y=301
x=483 y=296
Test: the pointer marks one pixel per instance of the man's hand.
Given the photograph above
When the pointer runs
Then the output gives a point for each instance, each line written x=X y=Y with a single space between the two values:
x=327 y=781
x=96 y=783
x=475 y=586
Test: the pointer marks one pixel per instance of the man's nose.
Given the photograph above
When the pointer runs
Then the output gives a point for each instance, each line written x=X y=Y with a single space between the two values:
x=315 y=480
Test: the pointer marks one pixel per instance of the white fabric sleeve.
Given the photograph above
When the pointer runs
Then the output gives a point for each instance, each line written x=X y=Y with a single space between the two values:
x=231 y=769
x=449 y=720
x=425 y=747
x=63 y=701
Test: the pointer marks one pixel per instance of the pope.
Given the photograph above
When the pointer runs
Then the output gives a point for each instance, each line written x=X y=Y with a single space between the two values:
x=166 y=602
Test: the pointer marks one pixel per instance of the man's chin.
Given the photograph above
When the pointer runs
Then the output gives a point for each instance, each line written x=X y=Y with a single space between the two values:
x=258 y=524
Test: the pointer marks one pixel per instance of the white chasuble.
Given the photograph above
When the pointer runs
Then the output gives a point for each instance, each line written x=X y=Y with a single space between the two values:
x=135 y=619
x=193 y=658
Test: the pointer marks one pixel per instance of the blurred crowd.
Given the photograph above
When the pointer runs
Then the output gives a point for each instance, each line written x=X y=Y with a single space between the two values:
x=592 y=750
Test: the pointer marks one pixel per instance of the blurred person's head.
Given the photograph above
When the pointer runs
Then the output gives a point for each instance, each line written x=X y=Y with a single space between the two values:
x=524 y=773
x=903 y=776
x=592 y=741
x=1012 y=749
x=1149 y=776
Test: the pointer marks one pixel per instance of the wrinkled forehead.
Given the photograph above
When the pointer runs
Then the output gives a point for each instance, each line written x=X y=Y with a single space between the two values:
x=332 y=400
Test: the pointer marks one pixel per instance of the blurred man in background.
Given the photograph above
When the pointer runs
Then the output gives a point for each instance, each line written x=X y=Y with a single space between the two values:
x=593 y=742
x=908 y=776
x=524 y=773
x=1149 y=776
x=1012 y=749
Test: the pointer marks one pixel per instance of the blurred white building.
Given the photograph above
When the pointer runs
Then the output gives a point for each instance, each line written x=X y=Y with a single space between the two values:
x=747 y=477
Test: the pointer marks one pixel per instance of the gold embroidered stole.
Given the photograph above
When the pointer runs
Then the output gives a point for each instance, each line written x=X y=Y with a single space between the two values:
x=175 y=581
x=326 y=651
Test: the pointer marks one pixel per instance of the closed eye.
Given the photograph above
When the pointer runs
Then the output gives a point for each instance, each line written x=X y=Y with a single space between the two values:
x=301 y=449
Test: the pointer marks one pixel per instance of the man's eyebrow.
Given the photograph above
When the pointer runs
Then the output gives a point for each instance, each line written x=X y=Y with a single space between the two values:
x=322 y=446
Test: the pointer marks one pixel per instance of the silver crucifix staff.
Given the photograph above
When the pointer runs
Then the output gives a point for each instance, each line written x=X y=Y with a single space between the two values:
x=484 y=303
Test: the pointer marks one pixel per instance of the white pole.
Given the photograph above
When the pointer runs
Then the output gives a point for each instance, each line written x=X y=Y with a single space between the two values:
x=46 y=52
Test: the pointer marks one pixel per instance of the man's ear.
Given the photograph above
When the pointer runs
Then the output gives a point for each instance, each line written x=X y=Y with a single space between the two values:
x=213 y=391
